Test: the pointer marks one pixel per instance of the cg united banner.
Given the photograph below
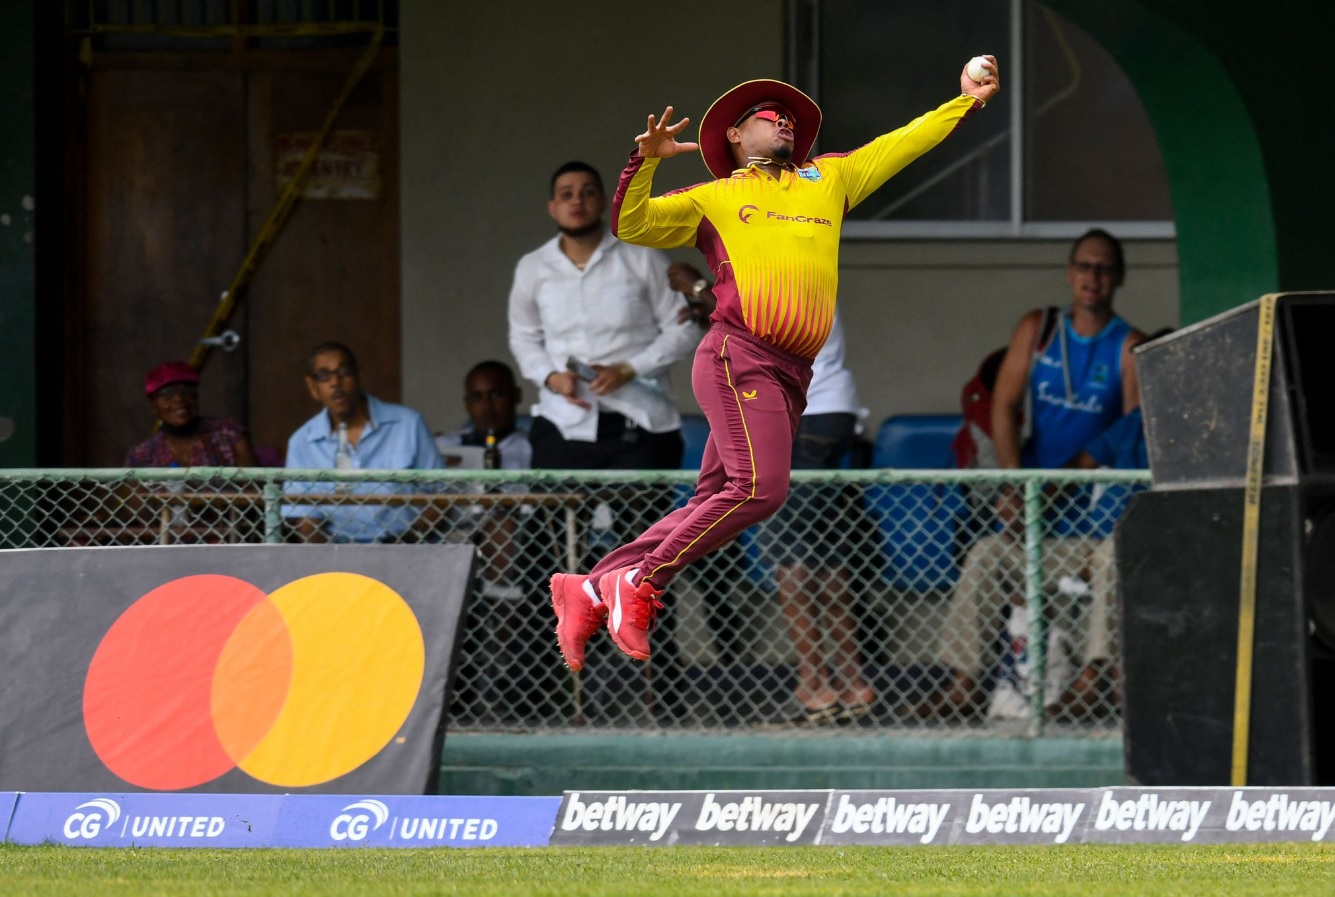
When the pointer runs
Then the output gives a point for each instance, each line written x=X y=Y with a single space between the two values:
x=249 y=668
x=274 y=820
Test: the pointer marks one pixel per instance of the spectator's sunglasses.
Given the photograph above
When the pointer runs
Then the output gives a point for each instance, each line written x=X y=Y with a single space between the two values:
x=772 y=113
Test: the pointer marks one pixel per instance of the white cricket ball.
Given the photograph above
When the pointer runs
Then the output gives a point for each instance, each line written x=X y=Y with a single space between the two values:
x=977 y=68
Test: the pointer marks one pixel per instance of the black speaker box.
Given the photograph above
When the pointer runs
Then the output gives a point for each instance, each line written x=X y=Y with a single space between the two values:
x=1196 y=393
x=1180 y=554
x=1179 y=551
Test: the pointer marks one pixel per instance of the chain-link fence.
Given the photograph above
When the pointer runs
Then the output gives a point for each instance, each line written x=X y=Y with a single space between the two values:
x=898 y=599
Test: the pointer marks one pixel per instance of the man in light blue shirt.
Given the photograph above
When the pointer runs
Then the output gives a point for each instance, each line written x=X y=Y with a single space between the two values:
x=358 y=431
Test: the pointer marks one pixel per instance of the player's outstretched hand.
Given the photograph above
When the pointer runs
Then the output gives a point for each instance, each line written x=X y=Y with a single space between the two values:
x=660 y=138
x=985 y=89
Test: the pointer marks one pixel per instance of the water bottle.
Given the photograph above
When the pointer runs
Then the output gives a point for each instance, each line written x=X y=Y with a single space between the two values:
x=491 y=453
x=343 y=457
x=343 y=453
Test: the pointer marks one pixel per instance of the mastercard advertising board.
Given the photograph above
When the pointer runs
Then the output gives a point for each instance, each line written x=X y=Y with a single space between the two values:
x=249 y=668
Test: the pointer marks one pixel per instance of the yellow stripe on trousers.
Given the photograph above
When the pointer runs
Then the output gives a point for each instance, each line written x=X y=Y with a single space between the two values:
x=751 y=456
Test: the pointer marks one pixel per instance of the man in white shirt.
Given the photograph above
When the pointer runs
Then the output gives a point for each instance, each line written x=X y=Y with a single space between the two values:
x=587 y=296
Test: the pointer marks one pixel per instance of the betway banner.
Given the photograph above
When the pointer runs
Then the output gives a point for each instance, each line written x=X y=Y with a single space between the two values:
x=690 y=817
x=976 y=817
x=228 y=668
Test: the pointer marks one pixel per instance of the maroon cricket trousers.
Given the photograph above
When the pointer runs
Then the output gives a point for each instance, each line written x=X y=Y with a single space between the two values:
x=753 y=395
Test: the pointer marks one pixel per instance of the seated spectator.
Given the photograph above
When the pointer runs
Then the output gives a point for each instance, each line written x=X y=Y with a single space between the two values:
x=1121 y=447
x=501 y=670
x=490 y=397
x=184 y=438
x=355 y=430
x=1077 y=376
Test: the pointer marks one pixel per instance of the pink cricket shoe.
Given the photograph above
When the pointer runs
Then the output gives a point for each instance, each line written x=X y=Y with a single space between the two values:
x=578 y=619
x=631 y=611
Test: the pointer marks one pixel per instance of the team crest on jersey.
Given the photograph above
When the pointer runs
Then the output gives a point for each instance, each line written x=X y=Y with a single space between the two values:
x=810 y=173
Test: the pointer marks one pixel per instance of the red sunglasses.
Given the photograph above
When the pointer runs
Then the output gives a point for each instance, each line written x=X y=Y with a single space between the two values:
x=769 y=113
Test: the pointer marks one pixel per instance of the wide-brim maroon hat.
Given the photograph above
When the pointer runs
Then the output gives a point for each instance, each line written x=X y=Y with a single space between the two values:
x=721 y=116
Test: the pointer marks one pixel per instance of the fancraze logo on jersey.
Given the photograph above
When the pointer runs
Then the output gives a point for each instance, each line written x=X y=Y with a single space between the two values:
x=799 y=219
x=747 y=211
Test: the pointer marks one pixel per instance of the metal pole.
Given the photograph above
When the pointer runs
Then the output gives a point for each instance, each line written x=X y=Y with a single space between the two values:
x=1033 y=578
x=273 y=512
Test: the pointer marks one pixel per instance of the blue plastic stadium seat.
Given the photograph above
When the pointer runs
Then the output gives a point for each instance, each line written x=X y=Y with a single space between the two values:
x=694 y=432
x=916 y=442
x=921 y=525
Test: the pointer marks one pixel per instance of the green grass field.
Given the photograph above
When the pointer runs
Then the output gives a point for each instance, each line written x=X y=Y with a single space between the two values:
x=1087 y=871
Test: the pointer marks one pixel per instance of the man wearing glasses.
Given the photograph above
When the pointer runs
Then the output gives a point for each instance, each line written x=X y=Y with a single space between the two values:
x=769 y=228
x=1074 y=370
x=354 y=430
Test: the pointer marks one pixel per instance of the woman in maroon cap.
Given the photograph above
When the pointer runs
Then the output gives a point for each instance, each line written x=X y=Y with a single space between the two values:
x=184 y=439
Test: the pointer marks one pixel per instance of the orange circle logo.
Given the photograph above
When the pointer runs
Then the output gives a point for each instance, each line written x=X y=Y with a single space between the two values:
x=207 y=673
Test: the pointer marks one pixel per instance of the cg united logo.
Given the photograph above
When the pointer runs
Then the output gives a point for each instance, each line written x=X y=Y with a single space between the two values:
x=89 y=818
x=358 y=820
x=207 y=673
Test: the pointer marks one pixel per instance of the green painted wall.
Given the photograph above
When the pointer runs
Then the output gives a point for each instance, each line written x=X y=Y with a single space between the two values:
x=18 y=301
x=1240 y=110
x=1221 y=199
x=550 y=764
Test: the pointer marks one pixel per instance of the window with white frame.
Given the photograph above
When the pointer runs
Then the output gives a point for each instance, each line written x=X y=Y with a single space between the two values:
x=1067 y=143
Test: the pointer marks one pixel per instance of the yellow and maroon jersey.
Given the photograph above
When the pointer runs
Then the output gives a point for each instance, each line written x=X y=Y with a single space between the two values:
x=773 y=244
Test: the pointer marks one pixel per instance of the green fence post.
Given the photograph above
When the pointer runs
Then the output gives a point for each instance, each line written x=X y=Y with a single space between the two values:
x=273 y=512
x=1033 y=578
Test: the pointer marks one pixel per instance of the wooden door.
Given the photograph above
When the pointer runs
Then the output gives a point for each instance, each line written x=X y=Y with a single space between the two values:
x=182 y=155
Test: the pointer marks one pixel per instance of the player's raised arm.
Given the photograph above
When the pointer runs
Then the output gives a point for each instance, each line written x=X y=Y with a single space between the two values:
x=659 y=139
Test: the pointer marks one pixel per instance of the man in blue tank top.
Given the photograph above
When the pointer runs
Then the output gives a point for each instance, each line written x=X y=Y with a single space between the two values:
x=1080 y=381
x=1066 y=381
